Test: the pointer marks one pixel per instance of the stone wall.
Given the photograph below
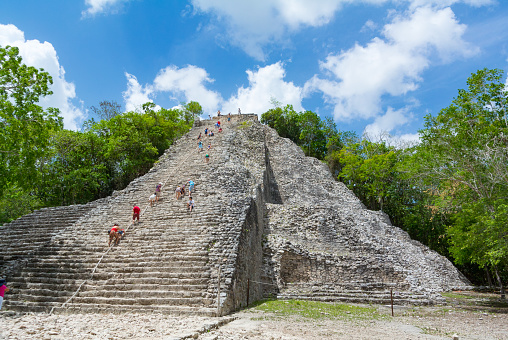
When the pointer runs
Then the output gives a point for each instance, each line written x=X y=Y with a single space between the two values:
x=237 y=246
x=322 y=241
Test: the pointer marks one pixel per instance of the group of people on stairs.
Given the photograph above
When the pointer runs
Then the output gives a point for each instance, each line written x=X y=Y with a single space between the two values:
x=115 y=233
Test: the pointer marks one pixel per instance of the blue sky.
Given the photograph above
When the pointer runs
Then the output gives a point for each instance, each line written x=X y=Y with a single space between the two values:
x=373 y=65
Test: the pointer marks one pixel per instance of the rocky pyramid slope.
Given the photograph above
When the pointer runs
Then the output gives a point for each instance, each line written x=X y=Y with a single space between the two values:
x=324 y=244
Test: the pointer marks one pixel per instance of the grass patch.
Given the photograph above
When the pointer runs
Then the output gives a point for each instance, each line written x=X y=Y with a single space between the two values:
x=317 y=310
x=477 y=301
x=245 y=124
x=452 y=295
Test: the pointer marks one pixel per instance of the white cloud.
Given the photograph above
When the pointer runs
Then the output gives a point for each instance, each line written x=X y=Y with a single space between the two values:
x=180 y=84
x=136 y=95
x=428 y=29
x=389 y=121
x=101 y=6
x=265 y=84
x=188 y=84
x=254 y=25
x=383 y=127
x=354 y=81
x=251 y=25
x=447 y=3
x=191 y=84
x=369 y=26
x=43 y=55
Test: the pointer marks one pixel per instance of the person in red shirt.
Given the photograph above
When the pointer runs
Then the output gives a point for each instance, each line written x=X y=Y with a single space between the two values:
x=113 y=234
x=3 y=289
x=135 y=213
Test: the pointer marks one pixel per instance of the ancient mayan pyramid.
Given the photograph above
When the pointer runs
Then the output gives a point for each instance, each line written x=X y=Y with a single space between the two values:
x=268 y=222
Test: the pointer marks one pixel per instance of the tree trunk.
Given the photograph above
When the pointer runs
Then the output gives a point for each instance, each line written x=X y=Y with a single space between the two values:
x=501 y=287
x=489 y=279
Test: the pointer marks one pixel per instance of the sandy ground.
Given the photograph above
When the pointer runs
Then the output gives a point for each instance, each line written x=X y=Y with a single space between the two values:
x=468 y=319
x=436 y=325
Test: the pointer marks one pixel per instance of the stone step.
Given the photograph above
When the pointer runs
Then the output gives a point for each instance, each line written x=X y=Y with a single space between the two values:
x=95 y=285
x=162 y=257
x=146 y=252
x=104 y=275
x=358 y=298
x=120 y=269
x=27 y=296
x=173 y=310
x=141 y=293
x=176 y=261
x=114 y=281
x=146 y=301
x=56 y=282
x=30 y=276
x=19 y=286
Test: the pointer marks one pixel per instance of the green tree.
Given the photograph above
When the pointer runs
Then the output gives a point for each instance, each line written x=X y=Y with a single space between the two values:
x=369 y=170
x=107 y=109
x=17 y=202
x=25 y=127
x=376 y=173
x=134 y=141
x=74 y=170
x=464 y=155
x=336 y=141
x=312 y=134
x=192 y=110
x=285 y=121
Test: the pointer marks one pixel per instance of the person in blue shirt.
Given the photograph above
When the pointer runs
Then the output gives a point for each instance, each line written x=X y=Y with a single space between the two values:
x=191 y=186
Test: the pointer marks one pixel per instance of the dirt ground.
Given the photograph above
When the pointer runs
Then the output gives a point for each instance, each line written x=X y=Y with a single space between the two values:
x=467 y=315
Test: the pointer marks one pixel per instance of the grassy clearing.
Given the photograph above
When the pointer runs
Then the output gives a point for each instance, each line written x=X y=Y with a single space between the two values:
x=453 y=295
x=317 y=310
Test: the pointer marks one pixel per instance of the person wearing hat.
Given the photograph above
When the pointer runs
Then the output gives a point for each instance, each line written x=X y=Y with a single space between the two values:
x=3 y=289
x=158 y=189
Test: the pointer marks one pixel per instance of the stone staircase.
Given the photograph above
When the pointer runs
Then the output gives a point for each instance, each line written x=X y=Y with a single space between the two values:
x=23 y=238
x=160 y=265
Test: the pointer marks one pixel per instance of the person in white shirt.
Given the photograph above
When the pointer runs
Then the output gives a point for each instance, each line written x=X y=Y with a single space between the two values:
x=152 y=199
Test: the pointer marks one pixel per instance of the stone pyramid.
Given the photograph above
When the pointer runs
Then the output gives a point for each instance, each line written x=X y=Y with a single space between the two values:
x=268 y=221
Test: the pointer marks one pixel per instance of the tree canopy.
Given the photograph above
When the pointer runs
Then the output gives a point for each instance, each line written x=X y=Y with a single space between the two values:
x=315 y=136
x=25 y=128
x=463 y=155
